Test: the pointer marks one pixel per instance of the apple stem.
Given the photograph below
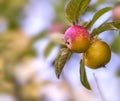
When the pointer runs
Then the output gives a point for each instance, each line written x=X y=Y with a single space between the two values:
x=76 y=22
x=104 y=66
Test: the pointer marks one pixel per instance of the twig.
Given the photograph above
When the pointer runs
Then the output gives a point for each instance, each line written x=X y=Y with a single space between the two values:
x=105 y=21
x=98 y=87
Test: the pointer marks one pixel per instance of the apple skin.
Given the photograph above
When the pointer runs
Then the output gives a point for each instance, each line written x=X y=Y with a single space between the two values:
x=116 y=13
x=77 y=38
x=98 y=55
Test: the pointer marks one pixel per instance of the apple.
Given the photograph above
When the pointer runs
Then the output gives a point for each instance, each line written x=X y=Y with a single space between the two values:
x=98 y=54
x=77 y=38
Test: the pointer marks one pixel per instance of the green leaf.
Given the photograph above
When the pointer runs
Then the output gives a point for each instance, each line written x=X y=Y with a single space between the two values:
x=48 y=49
x=31 y=52
x=97 y=15
x=83 y=76
x=62 y=58
x=106 y=27
x=83 y=23
x=38 y=37
x=115 y=46
x=75 y=8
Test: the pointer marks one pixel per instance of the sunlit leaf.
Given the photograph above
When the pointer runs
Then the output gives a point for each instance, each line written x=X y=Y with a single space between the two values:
x=83 y=77
x=106 y=27
x=97 y=15
x=75 y=8
x=62 y=58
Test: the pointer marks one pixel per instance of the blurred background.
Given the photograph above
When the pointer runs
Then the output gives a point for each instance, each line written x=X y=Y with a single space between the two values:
x=27 y=54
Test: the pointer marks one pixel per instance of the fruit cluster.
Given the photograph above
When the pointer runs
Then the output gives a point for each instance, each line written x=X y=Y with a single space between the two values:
x=96 y=52
x=81 y=37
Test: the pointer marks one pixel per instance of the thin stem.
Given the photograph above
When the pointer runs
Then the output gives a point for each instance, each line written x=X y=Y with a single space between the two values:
x=103 y=24
x=73 y=23
x=105 y=21
x=83 y=56
x=98 y=87
x=76 y=22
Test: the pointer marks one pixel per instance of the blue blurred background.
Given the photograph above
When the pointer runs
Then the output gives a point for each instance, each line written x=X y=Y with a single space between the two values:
x=27 y=54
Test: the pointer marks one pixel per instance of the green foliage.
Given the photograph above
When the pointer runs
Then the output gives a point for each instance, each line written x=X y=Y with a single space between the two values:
x=38 y=37
x=97 y=15
x=83 y=77
x=59 y=8
x=83 y=23
x=48 y=49
x=115 y=46
x=29 y=52
x=12 y=10
x=62 y=58
x=106 y=27
x=75 y=8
